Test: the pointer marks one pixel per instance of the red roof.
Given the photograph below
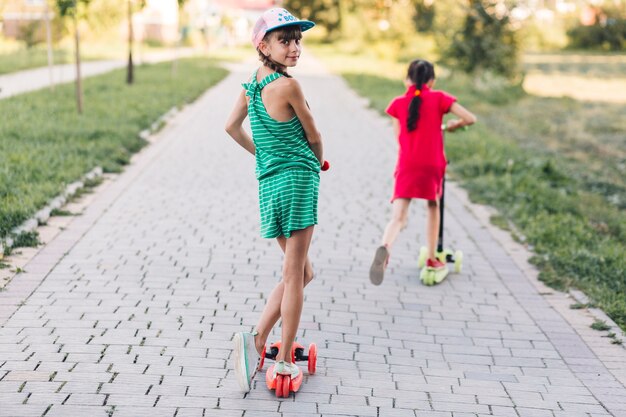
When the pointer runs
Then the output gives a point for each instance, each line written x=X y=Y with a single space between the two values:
x=248 y=4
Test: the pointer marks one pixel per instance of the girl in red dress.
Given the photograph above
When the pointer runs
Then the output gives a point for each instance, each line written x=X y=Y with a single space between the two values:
x=417 y=119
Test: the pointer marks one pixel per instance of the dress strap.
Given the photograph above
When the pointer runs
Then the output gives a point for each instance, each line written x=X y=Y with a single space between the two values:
x=269 y=78
x=252 y=86
x=255 y=86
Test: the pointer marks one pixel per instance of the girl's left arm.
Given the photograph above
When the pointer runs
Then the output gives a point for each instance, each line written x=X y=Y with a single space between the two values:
x=296 y=100
x=234 y=124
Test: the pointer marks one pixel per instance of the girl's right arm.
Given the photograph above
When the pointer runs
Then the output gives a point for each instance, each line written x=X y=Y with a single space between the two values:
x=295 y=98
x=234 y=124
x=466 y=118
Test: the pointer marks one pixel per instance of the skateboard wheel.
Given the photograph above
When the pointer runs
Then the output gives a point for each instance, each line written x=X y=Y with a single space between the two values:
x=312 y=358
x=421 y=260
x=279 y=386
x=286 y=382
x=458 y=261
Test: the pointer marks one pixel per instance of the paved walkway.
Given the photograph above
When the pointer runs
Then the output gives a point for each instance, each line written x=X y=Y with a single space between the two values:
x=130 y=311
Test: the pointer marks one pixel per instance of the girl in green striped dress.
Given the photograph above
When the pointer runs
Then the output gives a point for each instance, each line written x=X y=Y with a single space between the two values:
x=288 y=151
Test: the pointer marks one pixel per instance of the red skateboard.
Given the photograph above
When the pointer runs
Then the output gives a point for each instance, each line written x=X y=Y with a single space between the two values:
x=283 y=384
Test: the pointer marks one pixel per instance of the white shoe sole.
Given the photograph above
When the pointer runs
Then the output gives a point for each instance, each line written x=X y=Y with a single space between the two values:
x=240 y=363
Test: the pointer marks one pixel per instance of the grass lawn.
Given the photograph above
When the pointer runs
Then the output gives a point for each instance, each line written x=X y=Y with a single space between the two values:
x=586 y=77
x=553 y=167
x=16 y=57
x=45 y=144
x=23 y=59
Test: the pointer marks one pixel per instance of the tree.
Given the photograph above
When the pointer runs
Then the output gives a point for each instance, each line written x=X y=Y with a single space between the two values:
x=608 y=31
x=130 y=73
x=486 y=41
x=75 y=9
x=326 y=13
x=50 y=55
x=424 y=15
x=181 y=6
x=29 y=34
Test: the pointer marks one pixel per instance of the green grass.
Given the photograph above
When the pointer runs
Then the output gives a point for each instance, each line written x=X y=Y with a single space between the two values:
x=61 y=213
x=26 y=240
x=600 y=325
x=45 y=144
x=14 y=56
x=554 y=168
x=590 y=64
x=23 y=59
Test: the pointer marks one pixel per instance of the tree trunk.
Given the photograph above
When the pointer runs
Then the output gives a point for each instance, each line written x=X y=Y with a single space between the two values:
x=177 y=46
x=79 y=90
x=49 y=43
x=129 y=71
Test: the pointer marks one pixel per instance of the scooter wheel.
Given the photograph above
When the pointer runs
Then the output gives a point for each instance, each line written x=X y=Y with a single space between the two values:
x=279 y=386
x=429 y=278
x=286 y=383
x=312 y=358
x=458 y=261
x=421 y=260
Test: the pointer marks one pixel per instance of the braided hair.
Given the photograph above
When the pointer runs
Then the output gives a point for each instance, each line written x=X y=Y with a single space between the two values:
x=419 y=73
x=288 y=33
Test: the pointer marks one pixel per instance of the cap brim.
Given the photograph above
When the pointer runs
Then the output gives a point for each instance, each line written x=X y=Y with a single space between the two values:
x=304 y=25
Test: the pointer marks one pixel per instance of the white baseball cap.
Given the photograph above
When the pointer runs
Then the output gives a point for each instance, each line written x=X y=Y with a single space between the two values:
x=273 y=19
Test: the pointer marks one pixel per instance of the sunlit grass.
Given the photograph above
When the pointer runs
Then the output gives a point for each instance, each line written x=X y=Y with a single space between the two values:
x=585 y=77
x=45 y=144
x=14 y=56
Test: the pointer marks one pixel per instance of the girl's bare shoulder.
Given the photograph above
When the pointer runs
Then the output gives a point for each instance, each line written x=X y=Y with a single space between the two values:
x=287 y=82
x=288 y=86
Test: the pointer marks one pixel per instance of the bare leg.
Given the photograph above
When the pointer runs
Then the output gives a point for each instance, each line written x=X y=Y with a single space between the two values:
x=271 y=312
x=398 y=221
x=296 y=251
x=432 y=227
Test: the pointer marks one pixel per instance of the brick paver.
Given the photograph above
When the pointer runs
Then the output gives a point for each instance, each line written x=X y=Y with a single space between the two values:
x=130 y=311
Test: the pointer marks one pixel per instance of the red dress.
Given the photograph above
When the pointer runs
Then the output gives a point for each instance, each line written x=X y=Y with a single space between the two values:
x=421 y=158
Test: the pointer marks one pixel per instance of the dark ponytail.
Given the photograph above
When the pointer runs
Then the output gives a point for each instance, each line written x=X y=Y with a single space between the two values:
x=419 y=73
x=288 y=33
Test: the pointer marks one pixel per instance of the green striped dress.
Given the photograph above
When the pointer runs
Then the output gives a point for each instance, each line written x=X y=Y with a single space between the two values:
x=286 y=167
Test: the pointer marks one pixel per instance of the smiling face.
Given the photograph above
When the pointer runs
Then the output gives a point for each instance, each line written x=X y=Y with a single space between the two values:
x=283 y=46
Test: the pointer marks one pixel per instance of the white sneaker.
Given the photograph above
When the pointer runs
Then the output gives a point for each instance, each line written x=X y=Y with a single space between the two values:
x=247 y=359
x=286 y=368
